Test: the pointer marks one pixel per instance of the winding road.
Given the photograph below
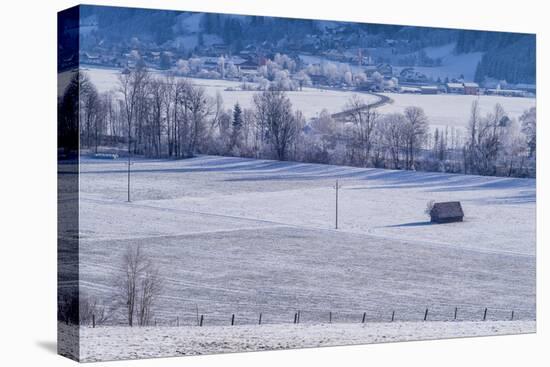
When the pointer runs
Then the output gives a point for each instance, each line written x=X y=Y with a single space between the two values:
x=382 y=100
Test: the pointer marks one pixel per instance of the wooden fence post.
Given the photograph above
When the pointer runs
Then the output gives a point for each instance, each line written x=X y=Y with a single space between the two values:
x=330 y=317
x=426 y=315
x=232 y=319
x=177 y=321
x=364 y=316
x=260 y=319
x=512 y=318
x=456 y=311
x=485 y=314
x=93 y=320
x=392 y=315
x=200 y=322
x=295 y=317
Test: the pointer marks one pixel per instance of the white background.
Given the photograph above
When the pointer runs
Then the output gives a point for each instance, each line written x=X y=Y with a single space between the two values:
x=28 y=181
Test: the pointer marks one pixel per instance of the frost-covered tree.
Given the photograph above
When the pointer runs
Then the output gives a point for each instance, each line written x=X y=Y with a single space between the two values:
x=182 y=67
x=139 y=285
x=363 y=120
x=285 y=62
x=133 y=88
x=195 y=64
x=392 y=137
x=221 y=66
x=529 y=127
x=378 y=80
x=348 y=78
x=485 y=140
x=231 y=71
x=415 y=130
x=513 y=148
x=360 y=78
x=303 y=79
x=276 y=120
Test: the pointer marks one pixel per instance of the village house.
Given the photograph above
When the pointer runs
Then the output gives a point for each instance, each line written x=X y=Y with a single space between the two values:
x=471 y=88
x=457 y=88
x=429 y=89
x=412 y=76
x=248 y=67
x=385 y=69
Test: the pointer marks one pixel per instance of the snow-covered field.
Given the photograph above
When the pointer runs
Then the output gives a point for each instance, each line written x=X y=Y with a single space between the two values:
x=453 y=110
x=243 y=236
x=442 y=110
x=112 y=343
x=311 y=101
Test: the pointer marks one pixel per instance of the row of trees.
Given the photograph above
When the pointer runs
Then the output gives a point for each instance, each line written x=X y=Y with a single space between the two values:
x=498 y=145
x=171 y=117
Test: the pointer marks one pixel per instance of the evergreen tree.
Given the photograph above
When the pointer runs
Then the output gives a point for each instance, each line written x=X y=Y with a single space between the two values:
x=237 y=117
x=237 y=123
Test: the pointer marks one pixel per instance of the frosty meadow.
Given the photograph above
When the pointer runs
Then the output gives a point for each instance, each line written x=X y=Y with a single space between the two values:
x=237 y=183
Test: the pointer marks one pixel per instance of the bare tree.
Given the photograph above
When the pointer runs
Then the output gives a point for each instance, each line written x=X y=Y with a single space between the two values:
x=149 y=289
x=92 y=311
x=132 y=87
x=248 y=127
x=514 y=148
x=416 y=128
x=139 y=286
x=471 y=148
x=529 y=127
x=392 y=128
x=112 y=113
x=364 y=120
x=169 y=112
x=180 y=116
x=275 y=120
x=198 y=109
x=89 y=111
x=488 y=142
x=157 y=94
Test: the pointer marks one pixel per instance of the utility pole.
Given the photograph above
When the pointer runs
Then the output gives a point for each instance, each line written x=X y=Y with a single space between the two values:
x=337 y=187
x=129 y=164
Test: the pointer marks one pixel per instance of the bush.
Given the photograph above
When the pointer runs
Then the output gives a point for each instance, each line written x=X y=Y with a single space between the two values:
x=429 y=207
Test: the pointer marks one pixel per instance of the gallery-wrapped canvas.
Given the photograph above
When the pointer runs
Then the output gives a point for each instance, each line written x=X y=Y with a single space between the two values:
x=232 y=183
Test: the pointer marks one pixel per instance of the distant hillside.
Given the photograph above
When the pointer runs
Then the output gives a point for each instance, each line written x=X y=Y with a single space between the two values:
x=508 y=56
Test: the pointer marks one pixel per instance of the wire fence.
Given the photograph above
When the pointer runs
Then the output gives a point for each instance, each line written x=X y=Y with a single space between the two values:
x=415 y=313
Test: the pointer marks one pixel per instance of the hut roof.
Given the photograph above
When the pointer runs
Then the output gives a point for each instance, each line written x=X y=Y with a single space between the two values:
x=449 y=209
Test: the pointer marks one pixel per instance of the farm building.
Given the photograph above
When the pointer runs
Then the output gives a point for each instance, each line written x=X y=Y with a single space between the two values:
x=455 y=88
x=385 y=69
x=471 y=88
x=429 y=89
x=506 y=92
x=446 y=212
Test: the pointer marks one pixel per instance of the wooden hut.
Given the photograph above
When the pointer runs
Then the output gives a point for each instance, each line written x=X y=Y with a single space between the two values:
x=447 y=212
